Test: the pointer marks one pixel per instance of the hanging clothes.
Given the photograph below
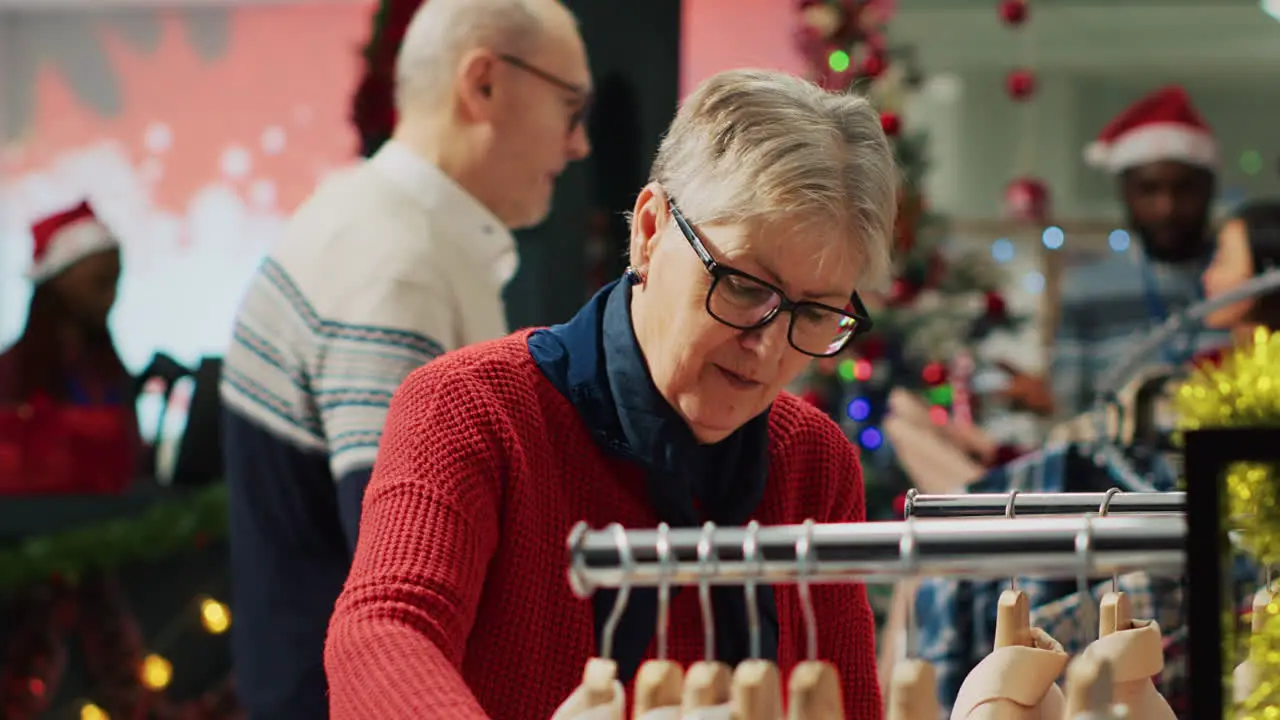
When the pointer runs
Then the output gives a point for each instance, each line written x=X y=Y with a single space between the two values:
x=1136 y=656
x=1015 y=682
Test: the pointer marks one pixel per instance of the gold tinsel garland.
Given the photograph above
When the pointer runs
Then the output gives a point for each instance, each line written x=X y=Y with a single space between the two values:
x=1244 y=391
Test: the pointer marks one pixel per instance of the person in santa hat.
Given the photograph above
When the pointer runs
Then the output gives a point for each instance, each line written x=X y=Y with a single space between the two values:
x=1165 y=159
x=67 y=414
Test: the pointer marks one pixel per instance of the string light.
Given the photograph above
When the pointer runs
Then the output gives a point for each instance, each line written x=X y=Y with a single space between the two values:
x=215 y=616
x=938 y=414
x=1053 y=237
x=845 y=370
x=89 y=711
x=156 y=672
x=1118 y=240
x=859 y=410
x=870 y=438
x=838 y=60
x=862 y=370
x=1002 y=250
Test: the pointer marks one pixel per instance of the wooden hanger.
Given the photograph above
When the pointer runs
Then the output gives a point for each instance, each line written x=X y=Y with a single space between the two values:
x=757 y=691
x=813 y=692
x=598 y=682
x=659 y=684
x=914 y=691
x=1013 y=620
x=1089 y=688
x=706 y=684
x=1115 y=613
x=1258 y=619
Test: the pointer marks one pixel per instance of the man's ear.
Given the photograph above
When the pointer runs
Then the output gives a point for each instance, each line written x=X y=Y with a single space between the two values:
x=475 y=84
x=648 y=219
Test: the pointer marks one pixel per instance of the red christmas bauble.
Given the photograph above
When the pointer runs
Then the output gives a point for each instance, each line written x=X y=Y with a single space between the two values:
x=873 y=66
x=1013 y=12
x=1020 y=84
x=902 y=292
x=1026 y=199
x=996 y=306
x=890 y=123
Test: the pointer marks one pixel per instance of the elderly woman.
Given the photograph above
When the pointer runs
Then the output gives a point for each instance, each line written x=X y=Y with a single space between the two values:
x=770 y=202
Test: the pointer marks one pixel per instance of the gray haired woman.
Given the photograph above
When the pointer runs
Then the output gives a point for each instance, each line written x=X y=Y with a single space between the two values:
x=770 y=203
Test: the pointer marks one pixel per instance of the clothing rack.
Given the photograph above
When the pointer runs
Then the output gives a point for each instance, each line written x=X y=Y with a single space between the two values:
x=1017 y=504
x=1105 y=452
x=1079 y=547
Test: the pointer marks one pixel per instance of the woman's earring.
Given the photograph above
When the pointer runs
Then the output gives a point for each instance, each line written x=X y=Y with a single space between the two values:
x=633 y=276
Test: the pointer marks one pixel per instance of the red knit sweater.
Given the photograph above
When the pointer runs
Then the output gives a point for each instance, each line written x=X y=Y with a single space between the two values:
x=458 y=604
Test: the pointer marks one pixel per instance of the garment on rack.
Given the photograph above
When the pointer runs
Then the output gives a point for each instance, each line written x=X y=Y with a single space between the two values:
x=957 y=617
x=1015 y=682
x=576 y=707
x=1136 y=656
x=1158 y=598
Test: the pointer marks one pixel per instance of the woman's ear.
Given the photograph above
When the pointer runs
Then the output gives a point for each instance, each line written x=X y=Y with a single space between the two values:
x=648 y=219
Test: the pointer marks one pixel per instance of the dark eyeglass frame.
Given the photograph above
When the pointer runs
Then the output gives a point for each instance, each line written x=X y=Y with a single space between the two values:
x=861 y=319
x=578 y=118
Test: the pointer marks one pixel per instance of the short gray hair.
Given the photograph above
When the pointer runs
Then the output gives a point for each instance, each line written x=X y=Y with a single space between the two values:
x=442 y=31
x=753 y=146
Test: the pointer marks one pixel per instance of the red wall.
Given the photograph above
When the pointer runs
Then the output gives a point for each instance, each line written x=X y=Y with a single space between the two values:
x=722 y=34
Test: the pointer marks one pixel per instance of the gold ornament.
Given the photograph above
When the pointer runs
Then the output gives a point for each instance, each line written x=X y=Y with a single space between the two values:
x=1244 y=391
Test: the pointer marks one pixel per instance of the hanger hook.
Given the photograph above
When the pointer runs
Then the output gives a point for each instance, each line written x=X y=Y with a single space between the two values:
x=751 y=557
x=1010 y=513
x=665 y=571
x=1084 y=553
x=708 y=564
x=1102 y=512
x=627 y=562
x=909 y=553
x=806 y=563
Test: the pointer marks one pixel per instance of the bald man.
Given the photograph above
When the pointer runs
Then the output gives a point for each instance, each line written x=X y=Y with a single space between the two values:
x=387 y=266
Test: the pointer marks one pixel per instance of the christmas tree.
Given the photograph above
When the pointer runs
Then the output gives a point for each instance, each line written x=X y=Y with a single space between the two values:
x=941 y=303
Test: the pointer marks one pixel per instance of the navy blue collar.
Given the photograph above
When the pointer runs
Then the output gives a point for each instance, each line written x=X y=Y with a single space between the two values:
x=595 y=361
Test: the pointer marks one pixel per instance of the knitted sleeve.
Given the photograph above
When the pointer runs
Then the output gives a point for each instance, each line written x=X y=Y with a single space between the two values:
x=429 y=529
x=848 y=635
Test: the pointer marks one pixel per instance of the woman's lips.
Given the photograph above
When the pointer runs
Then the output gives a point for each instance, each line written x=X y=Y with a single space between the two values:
x=737 y=381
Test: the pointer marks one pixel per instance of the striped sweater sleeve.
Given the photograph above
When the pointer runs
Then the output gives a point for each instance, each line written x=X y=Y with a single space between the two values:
x=385 y=330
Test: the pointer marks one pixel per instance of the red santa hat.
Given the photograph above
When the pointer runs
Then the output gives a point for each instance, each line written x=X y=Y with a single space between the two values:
x=65 y=238
x=1161 y=126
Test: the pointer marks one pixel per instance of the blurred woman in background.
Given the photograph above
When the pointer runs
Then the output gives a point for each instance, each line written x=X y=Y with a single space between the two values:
x=67 y=418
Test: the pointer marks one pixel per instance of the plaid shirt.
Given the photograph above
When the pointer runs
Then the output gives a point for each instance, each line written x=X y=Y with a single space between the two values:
x=1105 y=305
x=957 y=617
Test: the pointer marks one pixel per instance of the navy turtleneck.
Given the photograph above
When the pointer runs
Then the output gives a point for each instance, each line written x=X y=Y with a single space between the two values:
x=596 y=362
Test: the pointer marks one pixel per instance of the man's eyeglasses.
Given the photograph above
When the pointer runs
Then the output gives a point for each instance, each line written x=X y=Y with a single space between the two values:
x=581 y=95
x=746 y=302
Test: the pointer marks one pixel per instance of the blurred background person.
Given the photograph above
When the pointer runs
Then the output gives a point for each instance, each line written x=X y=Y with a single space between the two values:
x=66 y=401
x=386 y=267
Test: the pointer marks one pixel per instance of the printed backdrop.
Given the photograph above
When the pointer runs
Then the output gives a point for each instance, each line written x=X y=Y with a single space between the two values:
x=193 y=132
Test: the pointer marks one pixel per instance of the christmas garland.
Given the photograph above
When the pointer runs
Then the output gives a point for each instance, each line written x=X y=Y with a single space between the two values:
x=1244 y=391
x=373 y=107
x=164 y=530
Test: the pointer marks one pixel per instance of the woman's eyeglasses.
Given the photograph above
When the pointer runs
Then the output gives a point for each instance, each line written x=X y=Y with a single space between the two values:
x=745 y=302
